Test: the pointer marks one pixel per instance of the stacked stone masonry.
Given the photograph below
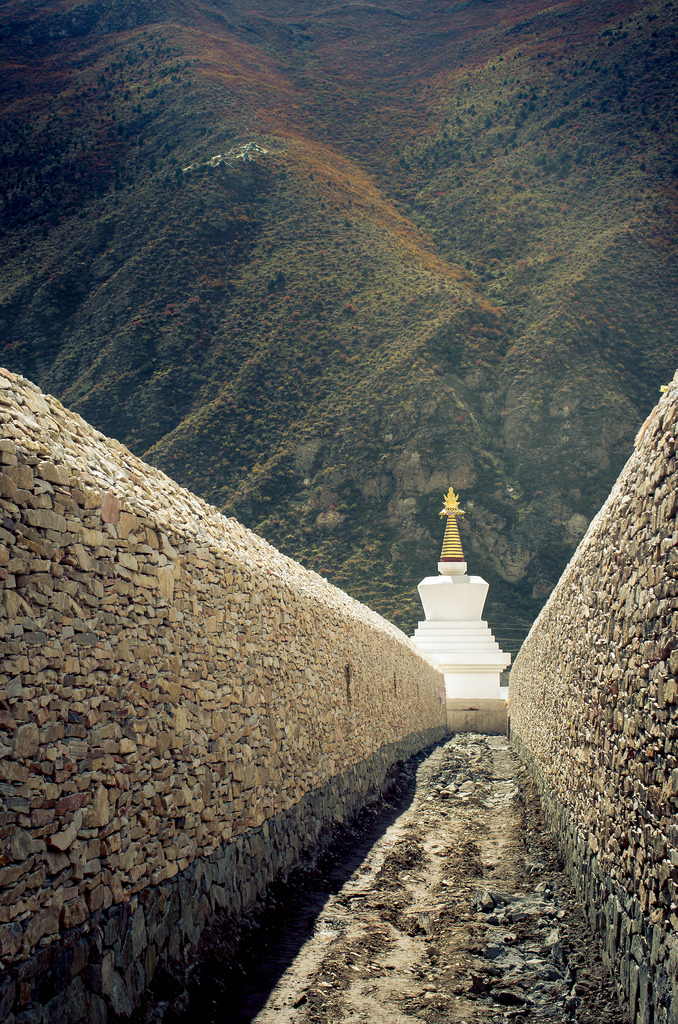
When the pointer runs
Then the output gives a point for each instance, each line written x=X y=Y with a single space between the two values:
x=594 y=710
x=183 y=711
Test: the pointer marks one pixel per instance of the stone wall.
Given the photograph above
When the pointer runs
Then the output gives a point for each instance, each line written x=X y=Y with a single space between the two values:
x=594 y=710
x=183 y=710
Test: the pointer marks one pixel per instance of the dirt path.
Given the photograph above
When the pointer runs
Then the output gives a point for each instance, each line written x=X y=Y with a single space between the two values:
x=446 y=905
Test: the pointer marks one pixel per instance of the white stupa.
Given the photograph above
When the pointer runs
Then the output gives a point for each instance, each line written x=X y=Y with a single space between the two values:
x=454 y=634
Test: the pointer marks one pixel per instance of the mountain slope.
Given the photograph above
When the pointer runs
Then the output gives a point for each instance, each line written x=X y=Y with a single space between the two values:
x=448 y=257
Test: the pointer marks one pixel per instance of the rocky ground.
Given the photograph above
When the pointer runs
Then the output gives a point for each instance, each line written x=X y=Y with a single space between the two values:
x=447 y=903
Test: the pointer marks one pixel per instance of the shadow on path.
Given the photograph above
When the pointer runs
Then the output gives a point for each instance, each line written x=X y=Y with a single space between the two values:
x=232 y=987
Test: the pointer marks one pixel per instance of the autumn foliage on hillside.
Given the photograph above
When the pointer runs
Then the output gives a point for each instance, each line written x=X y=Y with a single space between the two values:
x=450 y=261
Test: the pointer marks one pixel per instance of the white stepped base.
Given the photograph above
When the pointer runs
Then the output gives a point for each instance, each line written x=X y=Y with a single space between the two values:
x=469 y=657
x=460 y=642
x=455 y=636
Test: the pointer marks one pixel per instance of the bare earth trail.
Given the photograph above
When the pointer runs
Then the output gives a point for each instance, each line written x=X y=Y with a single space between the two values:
x=448 y=904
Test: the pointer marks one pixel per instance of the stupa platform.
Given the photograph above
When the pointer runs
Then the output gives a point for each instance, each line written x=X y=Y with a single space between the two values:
x=454 y=634
x=488 y=717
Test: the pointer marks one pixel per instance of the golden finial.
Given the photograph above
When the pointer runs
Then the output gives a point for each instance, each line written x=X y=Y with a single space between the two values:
x=452 y=550
x=451 y=506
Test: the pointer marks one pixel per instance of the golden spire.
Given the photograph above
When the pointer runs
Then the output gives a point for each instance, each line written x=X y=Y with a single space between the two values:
x=452 y=550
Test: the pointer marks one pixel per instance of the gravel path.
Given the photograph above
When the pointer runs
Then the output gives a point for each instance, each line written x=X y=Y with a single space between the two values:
x=445 y=904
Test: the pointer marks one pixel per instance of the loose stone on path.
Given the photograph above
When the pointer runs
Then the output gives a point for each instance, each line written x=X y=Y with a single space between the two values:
x=453 y=907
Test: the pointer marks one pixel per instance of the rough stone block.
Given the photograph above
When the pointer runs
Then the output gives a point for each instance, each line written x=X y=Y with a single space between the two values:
x=42 y=518
x=7 y=995
x=64 y=839
x=101 y=975
x=138 y=931
x=10 y=939
x=12 y=772
x=96 y=1009
x=44 y=922
x=74 y=912
x=55 y=474
x=25 y=741
x=120 y=997
x=8 y=488
x=98 y=813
